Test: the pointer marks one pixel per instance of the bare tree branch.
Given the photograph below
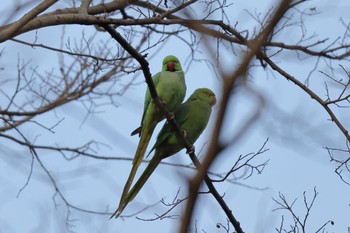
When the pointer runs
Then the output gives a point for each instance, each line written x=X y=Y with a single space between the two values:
x=299 y=223
x=8 y=32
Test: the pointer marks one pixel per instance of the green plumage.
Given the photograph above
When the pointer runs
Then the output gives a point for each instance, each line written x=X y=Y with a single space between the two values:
x=171 y=89
x=193 y=117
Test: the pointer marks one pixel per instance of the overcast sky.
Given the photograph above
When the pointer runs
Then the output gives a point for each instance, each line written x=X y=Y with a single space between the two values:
x=296 y=127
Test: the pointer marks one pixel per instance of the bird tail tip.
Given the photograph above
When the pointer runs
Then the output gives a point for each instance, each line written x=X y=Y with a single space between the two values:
x=116 y=214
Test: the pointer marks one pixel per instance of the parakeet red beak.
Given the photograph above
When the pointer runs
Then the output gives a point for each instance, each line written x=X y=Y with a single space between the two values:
x=213 y=102
x=170 y=66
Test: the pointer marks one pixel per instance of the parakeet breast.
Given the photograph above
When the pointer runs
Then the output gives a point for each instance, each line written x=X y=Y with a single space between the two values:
x=172 y=89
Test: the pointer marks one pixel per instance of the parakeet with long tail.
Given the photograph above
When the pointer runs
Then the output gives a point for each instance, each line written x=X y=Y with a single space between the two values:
x=171 y=89
x=192 y=117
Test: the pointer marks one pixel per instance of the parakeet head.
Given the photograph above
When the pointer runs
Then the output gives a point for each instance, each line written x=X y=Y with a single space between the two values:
x=171 y=63
x=204 y=94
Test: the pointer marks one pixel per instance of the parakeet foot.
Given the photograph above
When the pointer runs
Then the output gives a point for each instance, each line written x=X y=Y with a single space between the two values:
x=191 y=150
x=171 y=114
x=184 y=133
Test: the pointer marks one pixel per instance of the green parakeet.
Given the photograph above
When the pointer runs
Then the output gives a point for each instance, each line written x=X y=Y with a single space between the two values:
x=193 y=117
x=171 y=89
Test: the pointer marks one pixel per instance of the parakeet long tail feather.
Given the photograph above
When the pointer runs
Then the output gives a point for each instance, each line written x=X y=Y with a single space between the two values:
x=141 y=181
x=141 y=149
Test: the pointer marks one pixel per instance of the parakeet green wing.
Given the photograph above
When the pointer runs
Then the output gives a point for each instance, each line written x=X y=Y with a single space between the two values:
x=147 y=101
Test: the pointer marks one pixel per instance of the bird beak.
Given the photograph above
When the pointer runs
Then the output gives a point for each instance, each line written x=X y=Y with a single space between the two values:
x=213 y=102
x=170 y=66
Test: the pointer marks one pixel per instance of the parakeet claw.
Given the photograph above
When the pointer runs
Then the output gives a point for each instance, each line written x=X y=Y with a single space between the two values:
x=184 y=133
x=191 y=150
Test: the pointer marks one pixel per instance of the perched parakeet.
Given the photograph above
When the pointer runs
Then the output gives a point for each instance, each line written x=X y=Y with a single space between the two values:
x=192 y=117
x=171 y=89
